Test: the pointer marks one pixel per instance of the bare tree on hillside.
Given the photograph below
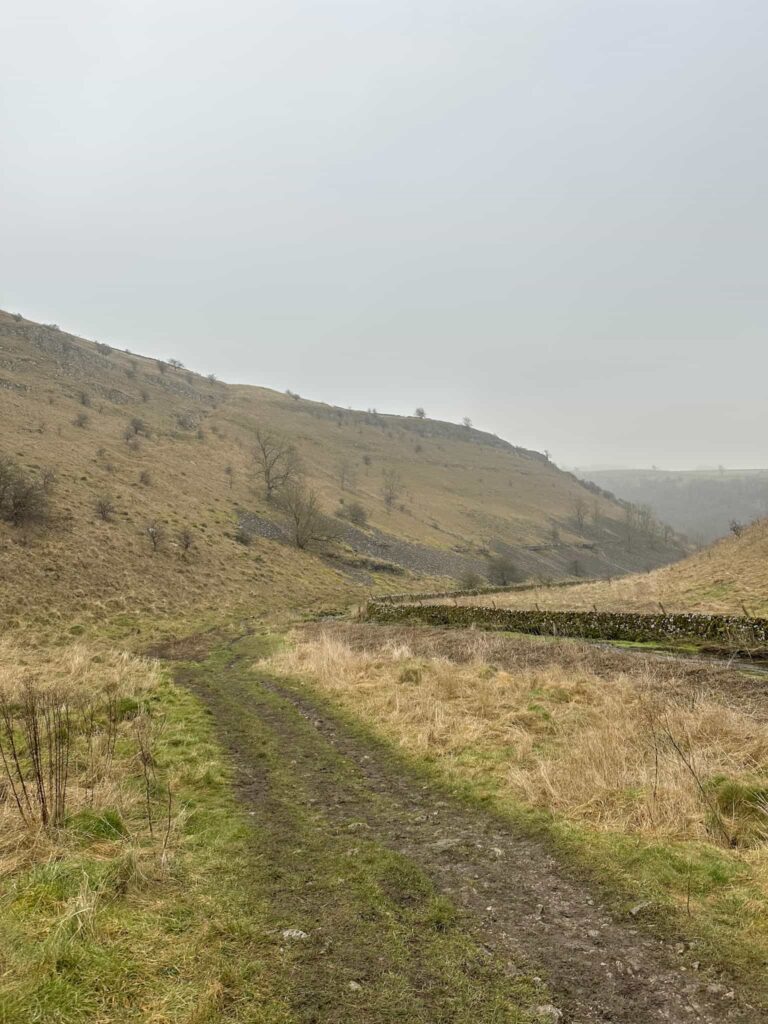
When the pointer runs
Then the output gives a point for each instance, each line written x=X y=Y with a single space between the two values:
x=420 y=414
x=580 y=512
x=307 y=522
x=185 y=539
x=392 y=486
x=276 y=461
x=155 y=534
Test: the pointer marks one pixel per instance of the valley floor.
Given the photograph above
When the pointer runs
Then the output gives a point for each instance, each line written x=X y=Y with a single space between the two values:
x=472 y=910
x=375 y=868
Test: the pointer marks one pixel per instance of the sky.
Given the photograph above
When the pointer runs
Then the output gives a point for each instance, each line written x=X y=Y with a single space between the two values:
x=547 y=215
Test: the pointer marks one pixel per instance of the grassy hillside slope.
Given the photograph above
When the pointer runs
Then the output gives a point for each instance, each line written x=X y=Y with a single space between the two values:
x=731 y=576
x=66 y=405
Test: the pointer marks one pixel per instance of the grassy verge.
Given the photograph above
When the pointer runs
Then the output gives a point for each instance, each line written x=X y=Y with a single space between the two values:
x=566 y=756
x=106 y=925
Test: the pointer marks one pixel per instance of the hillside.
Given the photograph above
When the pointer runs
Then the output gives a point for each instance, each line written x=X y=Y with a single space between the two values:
x=699 y=503
x=731 y=576
x=149 y=442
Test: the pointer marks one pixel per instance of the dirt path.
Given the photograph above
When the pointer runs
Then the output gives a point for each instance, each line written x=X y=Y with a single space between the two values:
x=520 y=903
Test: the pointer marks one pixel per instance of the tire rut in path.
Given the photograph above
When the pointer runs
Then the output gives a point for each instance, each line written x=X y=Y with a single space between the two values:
x=520 y=901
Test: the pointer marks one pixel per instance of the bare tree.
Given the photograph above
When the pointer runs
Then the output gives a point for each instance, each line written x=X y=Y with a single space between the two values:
x=276 y=460
x=420 y=414
x=307 y=522
x=580 y=512
x=155 y=533
x=467 y=422
x=392 y=486
x=185 y=539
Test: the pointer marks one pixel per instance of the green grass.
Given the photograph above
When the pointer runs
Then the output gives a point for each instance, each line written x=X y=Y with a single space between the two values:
x=101 y=932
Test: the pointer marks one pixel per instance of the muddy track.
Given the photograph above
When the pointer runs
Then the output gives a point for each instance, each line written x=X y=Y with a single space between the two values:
x=521 y=903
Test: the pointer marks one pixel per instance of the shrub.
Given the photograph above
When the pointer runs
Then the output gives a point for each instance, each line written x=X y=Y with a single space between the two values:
x=105 y=507
x=81 y=420
x=502 y=570
x=470 y=580
x=354 y=513
x=85 y=399
x=243 y=535
x=103 y=348
x=145 y=478
x=137 y=427
x=23 y=499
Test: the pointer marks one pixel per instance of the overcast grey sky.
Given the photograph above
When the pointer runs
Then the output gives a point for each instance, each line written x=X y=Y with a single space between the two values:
x=549 y=215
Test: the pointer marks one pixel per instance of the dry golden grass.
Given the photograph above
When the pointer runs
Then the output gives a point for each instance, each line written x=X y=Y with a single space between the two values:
x=624 y=754
x=730 y=577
